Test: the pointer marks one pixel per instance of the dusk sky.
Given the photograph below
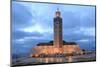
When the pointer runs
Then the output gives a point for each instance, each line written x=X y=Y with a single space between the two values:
x=32 y=23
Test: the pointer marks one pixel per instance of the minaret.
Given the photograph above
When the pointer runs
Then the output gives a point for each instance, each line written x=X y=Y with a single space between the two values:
x=58 y=29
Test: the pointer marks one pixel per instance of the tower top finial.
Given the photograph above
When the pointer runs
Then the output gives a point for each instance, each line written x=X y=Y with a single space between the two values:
x=57 y=9
x=57 y=13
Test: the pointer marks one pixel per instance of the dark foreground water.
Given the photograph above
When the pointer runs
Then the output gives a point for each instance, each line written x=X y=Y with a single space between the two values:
x=68 y=59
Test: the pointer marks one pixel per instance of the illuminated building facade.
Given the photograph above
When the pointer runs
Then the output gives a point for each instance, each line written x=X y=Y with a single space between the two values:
x=58 y=46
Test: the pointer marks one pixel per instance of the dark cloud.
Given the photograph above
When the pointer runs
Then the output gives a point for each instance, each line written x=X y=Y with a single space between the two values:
x=21 y=16
x=21 y=34
x=73 y=19
x=25 y=46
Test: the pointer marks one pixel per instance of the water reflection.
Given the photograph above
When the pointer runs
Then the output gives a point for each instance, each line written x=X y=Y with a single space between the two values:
x=53 y=60
x=24 y=61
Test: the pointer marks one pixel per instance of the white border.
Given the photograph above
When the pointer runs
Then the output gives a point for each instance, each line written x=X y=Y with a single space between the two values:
x=92 y=2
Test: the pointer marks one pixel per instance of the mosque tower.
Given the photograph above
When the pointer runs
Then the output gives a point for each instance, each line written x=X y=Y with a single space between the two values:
x=58 y=29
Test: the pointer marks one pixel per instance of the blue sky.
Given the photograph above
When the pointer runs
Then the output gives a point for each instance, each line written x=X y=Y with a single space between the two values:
x=33 y=23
